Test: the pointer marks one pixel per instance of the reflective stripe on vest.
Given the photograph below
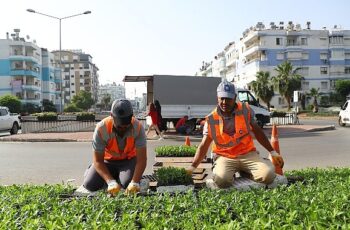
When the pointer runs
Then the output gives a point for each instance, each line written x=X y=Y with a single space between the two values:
x=233 y=145
x=112 y=151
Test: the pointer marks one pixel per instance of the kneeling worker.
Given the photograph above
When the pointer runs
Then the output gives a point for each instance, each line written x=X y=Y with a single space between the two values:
x=120 y=155
x=231 y=125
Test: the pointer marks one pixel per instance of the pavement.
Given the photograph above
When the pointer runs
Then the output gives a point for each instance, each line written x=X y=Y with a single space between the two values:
x=87 y=136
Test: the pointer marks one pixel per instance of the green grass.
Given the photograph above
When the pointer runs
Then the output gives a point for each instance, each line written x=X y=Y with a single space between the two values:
x=322 y=202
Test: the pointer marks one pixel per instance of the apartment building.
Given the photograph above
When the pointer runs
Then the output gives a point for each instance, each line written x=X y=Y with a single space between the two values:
x=322 y=56
x=78 y=72
x=114 y=90
x=27 y=71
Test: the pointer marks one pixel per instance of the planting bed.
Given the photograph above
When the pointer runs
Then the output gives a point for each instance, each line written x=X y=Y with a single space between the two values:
x=322 y=201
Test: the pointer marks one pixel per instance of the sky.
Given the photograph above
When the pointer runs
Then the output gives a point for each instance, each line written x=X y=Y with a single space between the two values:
x=145 y=37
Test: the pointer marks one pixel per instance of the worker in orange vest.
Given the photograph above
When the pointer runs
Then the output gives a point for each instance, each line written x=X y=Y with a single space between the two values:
x=119 y=157
x=230 y=126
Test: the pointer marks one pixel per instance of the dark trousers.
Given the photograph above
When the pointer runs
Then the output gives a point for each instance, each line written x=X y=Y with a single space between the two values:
x=121 y=170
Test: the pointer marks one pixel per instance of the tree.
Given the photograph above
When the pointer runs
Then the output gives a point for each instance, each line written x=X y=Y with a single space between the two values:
x=263 y=88
x=29 y=108
x=11 y=102
x=72 y=108
x=287 y=81
x=315 y=94
x=343 y=88
x=83 y=100
x=105 y=101
x=49 y=106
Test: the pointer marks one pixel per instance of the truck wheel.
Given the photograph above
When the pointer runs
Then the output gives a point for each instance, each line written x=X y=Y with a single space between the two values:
x=340 y=122
x=14 y=129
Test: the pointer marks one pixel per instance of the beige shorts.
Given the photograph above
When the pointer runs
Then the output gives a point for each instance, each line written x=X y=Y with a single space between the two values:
x=259 y=169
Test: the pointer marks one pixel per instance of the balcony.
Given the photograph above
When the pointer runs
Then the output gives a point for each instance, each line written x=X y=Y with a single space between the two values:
x=31 y=100
x=31 y=87
x=23 y=72
x=22 y=57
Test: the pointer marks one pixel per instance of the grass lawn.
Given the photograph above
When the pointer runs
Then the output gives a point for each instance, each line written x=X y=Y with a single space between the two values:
x=322 y=201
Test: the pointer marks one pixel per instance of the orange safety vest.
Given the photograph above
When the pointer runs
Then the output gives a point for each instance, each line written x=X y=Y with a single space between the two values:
x=238 y=144
x=112 y=151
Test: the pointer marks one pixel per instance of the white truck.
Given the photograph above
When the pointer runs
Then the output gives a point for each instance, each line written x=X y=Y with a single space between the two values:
x=9 y=122
x=193 y=96
x=344 y=114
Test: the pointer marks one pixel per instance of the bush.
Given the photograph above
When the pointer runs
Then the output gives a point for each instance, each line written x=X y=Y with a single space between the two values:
x=85 y=116
x=47 y=116
x=11 y=102
x=49 y=106
x=30 y=108
x=278 y=114
x=72 y=108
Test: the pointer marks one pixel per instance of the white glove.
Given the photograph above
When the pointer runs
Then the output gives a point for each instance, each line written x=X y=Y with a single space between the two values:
x=273 y=153
x=132 y=188
x=275 y=157
x=113 y=187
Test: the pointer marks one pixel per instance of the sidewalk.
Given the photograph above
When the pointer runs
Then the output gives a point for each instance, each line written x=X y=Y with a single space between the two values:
x=87 y=136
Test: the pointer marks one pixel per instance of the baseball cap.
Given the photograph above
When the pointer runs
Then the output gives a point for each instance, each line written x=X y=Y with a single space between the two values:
x=226 y=89
x=122 y=111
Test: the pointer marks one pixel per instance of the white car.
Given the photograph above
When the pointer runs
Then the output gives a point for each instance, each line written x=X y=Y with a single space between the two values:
x=344 y=114
x=8 y=121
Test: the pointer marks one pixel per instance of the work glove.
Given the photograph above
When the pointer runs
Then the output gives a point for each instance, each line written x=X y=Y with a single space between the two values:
x=190 y=170
x=113 y=187
x=132 y=188
x=275 y=157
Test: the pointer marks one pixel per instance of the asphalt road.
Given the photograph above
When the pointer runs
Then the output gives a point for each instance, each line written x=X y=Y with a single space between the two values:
x=51 y=163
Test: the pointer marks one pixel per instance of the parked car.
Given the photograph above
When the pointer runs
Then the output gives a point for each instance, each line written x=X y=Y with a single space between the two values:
x=344 y=114
x=9 y=122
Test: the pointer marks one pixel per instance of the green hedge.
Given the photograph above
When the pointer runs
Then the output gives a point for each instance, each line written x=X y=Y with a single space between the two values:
x=46 y=116
x=85 y=116
x=278 y=114
x=176 y=151
x=321 y=202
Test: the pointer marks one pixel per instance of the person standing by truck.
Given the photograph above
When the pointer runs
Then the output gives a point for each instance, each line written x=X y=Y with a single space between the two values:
x=230 y=126
x=152 y=112
x=162 y=127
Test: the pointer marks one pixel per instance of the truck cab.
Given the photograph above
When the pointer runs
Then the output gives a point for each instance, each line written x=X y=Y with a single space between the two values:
x=262 y=114
x=344 y=114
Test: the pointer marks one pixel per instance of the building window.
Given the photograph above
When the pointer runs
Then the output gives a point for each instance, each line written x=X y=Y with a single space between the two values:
x=304 y=41
x=324 y=85
x=347 y=70
x=324 y=70
x=72 y=83
x=305 y=56
x=278 y=41
x=72 y=76
x=280 y=56
x=332 y=84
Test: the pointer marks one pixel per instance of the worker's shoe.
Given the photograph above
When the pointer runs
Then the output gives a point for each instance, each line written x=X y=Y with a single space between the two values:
x=277 y=181
x=82 y=191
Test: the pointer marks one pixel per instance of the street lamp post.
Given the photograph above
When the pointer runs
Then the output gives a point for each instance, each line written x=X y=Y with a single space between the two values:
x=60 y=47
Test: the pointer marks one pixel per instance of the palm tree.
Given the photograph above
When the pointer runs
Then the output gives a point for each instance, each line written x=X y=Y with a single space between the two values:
x=262 y=87
x=315 y=94
x=287 y=81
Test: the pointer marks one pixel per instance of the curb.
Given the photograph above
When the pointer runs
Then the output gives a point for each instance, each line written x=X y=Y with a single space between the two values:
x=326 y=128
x=167 y=137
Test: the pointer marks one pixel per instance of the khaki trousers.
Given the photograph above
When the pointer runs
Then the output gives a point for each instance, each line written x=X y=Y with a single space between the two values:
x=259 y=169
